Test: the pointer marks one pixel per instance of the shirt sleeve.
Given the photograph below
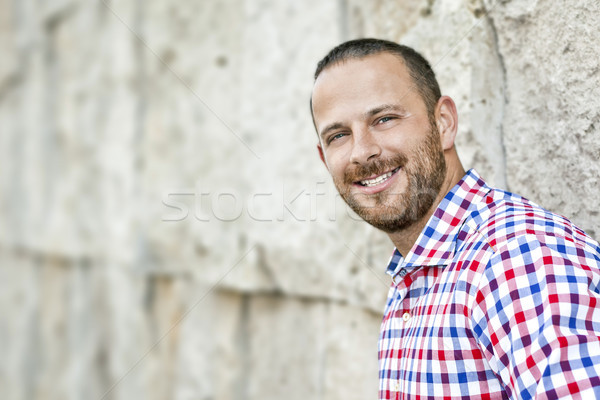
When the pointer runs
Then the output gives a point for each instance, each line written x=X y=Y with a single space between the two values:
x=536 y=315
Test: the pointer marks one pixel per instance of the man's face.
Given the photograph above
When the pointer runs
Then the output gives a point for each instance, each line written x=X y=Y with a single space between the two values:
x=378 y=141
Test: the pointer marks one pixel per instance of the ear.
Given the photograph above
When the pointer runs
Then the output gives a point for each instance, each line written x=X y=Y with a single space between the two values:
x=446 y=118
x=322 y=155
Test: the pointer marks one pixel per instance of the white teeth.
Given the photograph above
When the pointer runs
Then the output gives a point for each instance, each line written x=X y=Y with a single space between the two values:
x=377 y=180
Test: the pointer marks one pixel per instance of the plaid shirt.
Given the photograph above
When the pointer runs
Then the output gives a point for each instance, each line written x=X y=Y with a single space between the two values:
x=497 y=299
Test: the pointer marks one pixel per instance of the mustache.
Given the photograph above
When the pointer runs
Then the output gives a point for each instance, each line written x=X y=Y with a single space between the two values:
x=375 y=167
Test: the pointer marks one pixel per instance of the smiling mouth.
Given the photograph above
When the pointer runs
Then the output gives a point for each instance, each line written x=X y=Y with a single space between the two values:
x=378 y=179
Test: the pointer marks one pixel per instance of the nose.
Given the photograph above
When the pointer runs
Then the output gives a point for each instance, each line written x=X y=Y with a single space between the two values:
x=364 y=148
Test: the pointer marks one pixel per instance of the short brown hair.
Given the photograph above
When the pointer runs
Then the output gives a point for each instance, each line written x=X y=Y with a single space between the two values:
x=418 y=67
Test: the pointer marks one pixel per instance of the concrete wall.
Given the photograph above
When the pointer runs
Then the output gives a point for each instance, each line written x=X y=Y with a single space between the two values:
x=167 y=230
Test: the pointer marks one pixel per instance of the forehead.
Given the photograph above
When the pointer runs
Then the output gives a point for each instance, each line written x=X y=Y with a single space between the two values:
x=357 y=85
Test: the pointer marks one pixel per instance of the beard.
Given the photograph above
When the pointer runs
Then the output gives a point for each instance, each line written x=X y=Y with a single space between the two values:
x=393 y=212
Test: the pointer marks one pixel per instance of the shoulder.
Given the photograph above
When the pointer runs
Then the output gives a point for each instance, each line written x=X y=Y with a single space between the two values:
x=512 y=224
x=529 y=247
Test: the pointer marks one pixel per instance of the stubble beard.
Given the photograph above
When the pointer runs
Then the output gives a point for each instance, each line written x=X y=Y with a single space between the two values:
x=394 y=212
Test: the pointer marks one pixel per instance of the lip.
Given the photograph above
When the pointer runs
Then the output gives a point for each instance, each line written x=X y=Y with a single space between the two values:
x=380 y=187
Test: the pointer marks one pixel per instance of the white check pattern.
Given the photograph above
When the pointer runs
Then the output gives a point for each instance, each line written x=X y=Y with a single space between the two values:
x=498 y=299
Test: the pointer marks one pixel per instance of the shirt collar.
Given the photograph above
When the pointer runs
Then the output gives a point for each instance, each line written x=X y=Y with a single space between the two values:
x=437 y=242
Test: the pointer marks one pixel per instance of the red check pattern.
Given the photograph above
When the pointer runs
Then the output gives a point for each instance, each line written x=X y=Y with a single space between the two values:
x=498 y=299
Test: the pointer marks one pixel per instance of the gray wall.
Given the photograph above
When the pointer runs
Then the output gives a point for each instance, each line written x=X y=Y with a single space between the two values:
x=167 y=230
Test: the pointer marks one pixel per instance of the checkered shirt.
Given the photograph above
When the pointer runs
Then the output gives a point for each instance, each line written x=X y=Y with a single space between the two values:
x=498 y=299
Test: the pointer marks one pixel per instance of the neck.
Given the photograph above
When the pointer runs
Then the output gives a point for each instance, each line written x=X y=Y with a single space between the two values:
x=405 y=239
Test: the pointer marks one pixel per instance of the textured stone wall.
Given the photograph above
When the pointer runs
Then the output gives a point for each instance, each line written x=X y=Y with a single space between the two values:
x=167 y=230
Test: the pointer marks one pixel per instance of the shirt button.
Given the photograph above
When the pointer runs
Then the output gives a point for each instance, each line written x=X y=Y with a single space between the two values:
x=398 y=277
x=406 y=316
x=396 y=386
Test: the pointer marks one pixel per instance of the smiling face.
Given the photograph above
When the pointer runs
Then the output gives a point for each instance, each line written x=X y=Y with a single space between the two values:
x=378 y=141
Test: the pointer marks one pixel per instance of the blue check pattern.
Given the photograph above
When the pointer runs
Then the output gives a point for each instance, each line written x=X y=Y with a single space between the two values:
x=498 y=299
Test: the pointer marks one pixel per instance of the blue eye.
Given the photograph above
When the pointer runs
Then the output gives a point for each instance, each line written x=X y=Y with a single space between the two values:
x=335 y=137
x=384 y=119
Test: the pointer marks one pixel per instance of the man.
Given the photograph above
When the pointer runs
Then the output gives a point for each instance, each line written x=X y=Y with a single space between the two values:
x=492 y=297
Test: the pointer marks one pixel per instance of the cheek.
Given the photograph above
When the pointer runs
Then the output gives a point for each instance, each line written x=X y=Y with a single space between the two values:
x=336 y=169
x=335 y=161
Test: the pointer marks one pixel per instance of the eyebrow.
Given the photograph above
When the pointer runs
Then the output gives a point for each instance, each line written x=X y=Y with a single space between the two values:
x=330 y=127
x=368 y=114
x=384 y=107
